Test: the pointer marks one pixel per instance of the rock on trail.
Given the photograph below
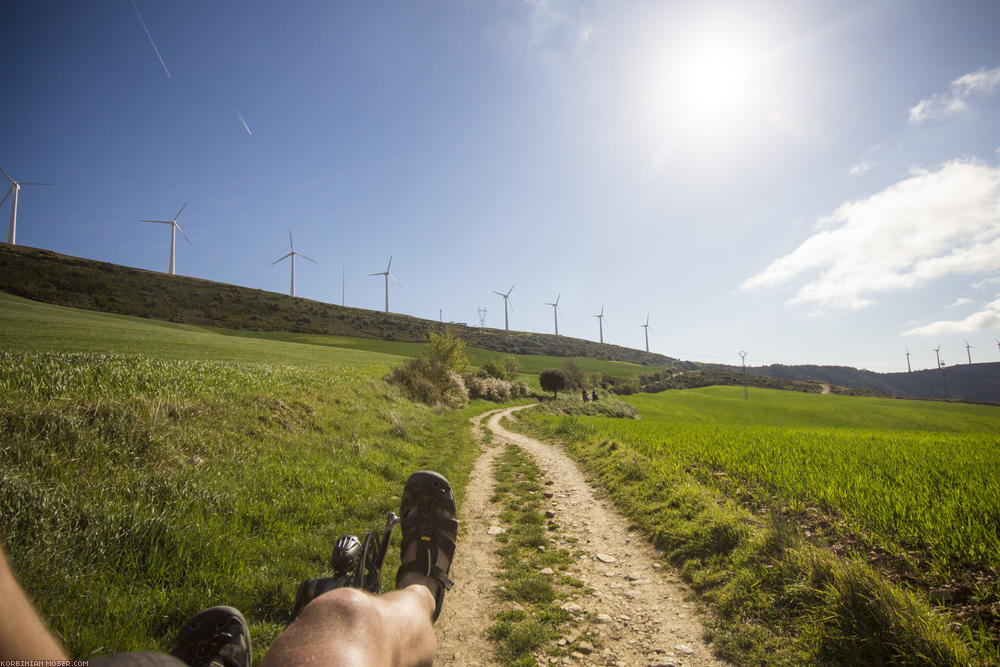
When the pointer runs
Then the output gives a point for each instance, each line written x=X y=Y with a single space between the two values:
x=644 y=614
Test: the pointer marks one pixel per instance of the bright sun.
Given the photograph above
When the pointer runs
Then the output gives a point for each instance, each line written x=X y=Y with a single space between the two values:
x=712 y=82
x=705 y=85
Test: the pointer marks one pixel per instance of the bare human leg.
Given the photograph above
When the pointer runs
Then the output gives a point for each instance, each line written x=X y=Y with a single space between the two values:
x=347 y=627
x=23 y=634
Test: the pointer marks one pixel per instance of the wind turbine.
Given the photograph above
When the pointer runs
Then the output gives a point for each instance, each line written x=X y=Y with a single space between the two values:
x=600 y=322
x=908 y=361
x=967 y=348
x=174 y=228
x=387 y=276
x=555 y=311
x=292 y=254
x=998 y=342
x=937 y=351
x=15 y=187
x=646 y=327
x=506 y=300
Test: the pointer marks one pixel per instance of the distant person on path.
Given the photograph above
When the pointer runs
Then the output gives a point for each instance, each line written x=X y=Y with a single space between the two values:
x=585 y=399
x=594 y=397
x=344 y=626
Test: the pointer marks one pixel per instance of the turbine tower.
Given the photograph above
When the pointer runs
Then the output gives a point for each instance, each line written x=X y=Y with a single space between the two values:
x=292 y=254
x=908 y=361
x=600 y=322
x=646 y=327
x=15 y=188
x=555 y=311
x=506 y=301
x=387 y=276
x=967 y=348
x=174 y=228
x=937 y=351
x=746 y=394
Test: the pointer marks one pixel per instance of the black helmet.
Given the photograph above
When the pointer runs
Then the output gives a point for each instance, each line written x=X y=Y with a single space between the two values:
x=346 y=553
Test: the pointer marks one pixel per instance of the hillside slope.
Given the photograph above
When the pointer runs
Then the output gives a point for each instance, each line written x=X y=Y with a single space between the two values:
x=46 y=276
x=974 y=382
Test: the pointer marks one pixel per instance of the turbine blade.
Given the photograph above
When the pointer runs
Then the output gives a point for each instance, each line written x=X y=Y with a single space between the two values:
x=280 y=258
x=162 y=222
x=182 y=233
x=6 y=195
x=292 y=245
x=34 y=183
x=499 y=293
x=179 y=212
x=511 y=289
x=389 y=265
x=393 y=278
x=380 y=273
x=12 y=181
x=309 y=258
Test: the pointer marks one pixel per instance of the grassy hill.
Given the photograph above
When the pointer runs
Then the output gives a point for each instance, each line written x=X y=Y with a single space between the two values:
x=81 y=283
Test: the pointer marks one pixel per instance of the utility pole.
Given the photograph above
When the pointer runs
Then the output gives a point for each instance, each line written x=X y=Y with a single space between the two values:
x=343 y=284
x=441 y=315
x=743 y=356
x=482 y=317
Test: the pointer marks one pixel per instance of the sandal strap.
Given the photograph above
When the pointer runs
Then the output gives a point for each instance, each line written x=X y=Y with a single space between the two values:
x=426 y=524
x=436 y=573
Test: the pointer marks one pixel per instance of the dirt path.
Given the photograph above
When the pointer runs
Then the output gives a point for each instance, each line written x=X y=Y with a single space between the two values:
x=648 y=617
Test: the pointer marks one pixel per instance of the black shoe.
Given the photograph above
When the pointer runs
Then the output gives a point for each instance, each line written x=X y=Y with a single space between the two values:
x=216 y=637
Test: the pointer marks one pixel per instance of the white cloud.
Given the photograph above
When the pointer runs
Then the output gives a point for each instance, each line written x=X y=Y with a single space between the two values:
x=942 y=105
x=979 y=284
x=931 y=224
x=960 y=301
x=987 y=318
x=862 y=167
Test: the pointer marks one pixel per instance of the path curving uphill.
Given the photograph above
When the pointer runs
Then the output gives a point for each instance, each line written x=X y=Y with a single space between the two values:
x=648 y=618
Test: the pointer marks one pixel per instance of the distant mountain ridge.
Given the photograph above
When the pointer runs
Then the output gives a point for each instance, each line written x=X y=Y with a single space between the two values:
x=969 y=382
x=46 y=276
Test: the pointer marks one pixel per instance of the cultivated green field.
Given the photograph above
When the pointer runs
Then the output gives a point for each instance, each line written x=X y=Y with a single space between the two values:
x=904 y=474
x=916 y=480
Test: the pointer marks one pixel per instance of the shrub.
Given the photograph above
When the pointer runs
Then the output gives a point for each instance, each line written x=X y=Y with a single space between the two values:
x=433 y=378
x=553 y=379
x=495 y=389
x=495 y=368
x=575 y=377
x=512 y=366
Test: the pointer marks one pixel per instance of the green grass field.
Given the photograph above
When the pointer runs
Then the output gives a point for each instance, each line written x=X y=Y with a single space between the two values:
x=187 y=469
x=915 y=480
x=32 y=326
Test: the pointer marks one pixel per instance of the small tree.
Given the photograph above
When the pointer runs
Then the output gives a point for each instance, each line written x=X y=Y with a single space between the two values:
x=495 y=368
x=553 y=379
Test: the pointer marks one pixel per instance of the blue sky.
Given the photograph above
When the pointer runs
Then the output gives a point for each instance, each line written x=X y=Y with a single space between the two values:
x=811 y=182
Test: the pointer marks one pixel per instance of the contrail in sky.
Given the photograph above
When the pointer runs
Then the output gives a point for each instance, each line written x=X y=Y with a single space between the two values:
x=245 y=126
x=143 y=23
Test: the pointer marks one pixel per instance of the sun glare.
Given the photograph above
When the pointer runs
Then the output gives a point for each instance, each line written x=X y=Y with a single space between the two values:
x=705 y=85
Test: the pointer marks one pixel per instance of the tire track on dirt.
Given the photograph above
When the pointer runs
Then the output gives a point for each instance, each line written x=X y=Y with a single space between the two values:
x=470 y=605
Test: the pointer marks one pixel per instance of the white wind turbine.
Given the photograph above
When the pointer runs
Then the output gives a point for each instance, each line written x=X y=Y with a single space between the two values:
x=387 y=276
x=555 y=311
x=174 y=228
x=646 y=327
x=600 y=322
x=292 y=254
x=506 y=301
x=15 y=188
